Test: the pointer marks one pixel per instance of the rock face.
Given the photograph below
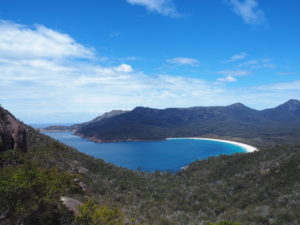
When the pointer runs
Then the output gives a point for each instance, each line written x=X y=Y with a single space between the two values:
x=71 y=204
x=12 y=132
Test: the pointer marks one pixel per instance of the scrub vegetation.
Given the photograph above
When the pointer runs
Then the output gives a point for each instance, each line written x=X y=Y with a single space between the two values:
x=247 y=189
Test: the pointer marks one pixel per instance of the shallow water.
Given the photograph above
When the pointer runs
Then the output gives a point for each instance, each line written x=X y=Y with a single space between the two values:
x=169 y=155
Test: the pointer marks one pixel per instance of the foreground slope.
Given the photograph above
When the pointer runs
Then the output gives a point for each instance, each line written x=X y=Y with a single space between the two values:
x=256 y=188
x=277 y=125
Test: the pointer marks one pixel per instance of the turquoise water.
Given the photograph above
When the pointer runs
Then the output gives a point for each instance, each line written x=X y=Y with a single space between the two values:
x=169 y=155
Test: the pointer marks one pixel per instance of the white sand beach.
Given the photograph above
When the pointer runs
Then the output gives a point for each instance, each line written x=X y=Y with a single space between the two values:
x=248 y=148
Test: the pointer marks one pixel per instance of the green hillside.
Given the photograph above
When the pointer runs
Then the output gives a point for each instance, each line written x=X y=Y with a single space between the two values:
x=251 y=189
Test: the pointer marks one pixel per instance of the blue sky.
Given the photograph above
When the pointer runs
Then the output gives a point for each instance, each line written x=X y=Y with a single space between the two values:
x=68 y=61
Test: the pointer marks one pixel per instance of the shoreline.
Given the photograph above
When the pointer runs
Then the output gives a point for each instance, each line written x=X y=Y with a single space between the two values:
x=248 y=148
x=96 y=140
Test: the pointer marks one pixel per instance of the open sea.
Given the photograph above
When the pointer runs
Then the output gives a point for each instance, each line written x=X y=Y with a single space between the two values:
x=169 y=155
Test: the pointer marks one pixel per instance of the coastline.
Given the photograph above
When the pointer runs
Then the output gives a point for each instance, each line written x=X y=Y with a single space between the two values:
x=97 y=140
x=248 y=148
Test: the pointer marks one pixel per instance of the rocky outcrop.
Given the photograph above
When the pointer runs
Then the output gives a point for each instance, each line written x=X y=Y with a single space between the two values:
x=12 y=132
x=71 y=204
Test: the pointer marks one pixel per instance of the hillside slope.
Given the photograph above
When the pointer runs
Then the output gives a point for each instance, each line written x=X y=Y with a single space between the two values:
x=253 y=189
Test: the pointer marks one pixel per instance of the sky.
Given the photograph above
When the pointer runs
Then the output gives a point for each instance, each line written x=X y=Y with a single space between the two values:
x=65 y=61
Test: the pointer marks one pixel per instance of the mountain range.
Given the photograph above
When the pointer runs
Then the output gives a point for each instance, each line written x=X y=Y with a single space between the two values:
x=237 y=121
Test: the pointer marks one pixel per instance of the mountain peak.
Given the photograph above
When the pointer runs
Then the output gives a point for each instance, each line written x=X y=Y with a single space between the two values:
x=293 y=102
x=291 y=105
x=237 y=105
x=144 y=109
x=139 y=108
x=109 y=114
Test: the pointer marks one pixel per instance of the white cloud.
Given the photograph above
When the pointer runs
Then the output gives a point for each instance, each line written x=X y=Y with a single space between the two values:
x=229 y=75
x=125 y=68
x=183 y=61
x=236 y=57
x=227 y=79
x=163 y=7
x=55 y=81
x=248 y=10
x=19 y=41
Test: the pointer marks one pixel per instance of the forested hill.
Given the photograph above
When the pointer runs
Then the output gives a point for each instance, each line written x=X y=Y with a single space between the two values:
x=277 y=125
x=250 y=189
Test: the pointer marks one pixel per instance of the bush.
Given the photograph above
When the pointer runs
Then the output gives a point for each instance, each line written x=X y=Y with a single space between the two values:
x=26 y=188
x=93 y=214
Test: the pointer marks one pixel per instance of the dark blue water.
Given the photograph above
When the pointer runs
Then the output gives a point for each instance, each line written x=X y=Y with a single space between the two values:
x=169 y=155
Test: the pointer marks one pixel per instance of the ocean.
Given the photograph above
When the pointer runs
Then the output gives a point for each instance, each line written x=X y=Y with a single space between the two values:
x=150 y=156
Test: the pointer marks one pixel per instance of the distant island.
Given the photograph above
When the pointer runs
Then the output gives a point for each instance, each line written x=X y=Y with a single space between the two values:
x=235 y=122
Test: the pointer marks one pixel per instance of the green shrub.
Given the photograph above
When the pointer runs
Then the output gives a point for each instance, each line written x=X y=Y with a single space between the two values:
x=26 y=188
x=93 y=214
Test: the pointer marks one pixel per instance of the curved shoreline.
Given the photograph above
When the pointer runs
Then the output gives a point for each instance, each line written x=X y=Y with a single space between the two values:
x=248 y=148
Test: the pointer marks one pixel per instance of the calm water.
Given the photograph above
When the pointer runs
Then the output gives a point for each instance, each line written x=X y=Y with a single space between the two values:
x=168 y=155
x=43 y=125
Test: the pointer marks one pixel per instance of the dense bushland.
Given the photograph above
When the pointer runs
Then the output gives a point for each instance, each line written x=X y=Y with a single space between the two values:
x=254 y=188
x=30 y=193
x=250 y=189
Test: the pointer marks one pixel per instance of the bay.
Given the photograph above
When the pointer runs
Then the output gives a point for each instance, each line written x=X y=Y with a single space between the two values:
x=169 y=155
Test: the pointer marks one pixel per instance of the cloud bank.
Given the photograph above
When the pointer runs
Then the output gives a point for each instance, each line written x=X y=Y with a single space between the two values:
x=23 y=42
x=45 y=72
